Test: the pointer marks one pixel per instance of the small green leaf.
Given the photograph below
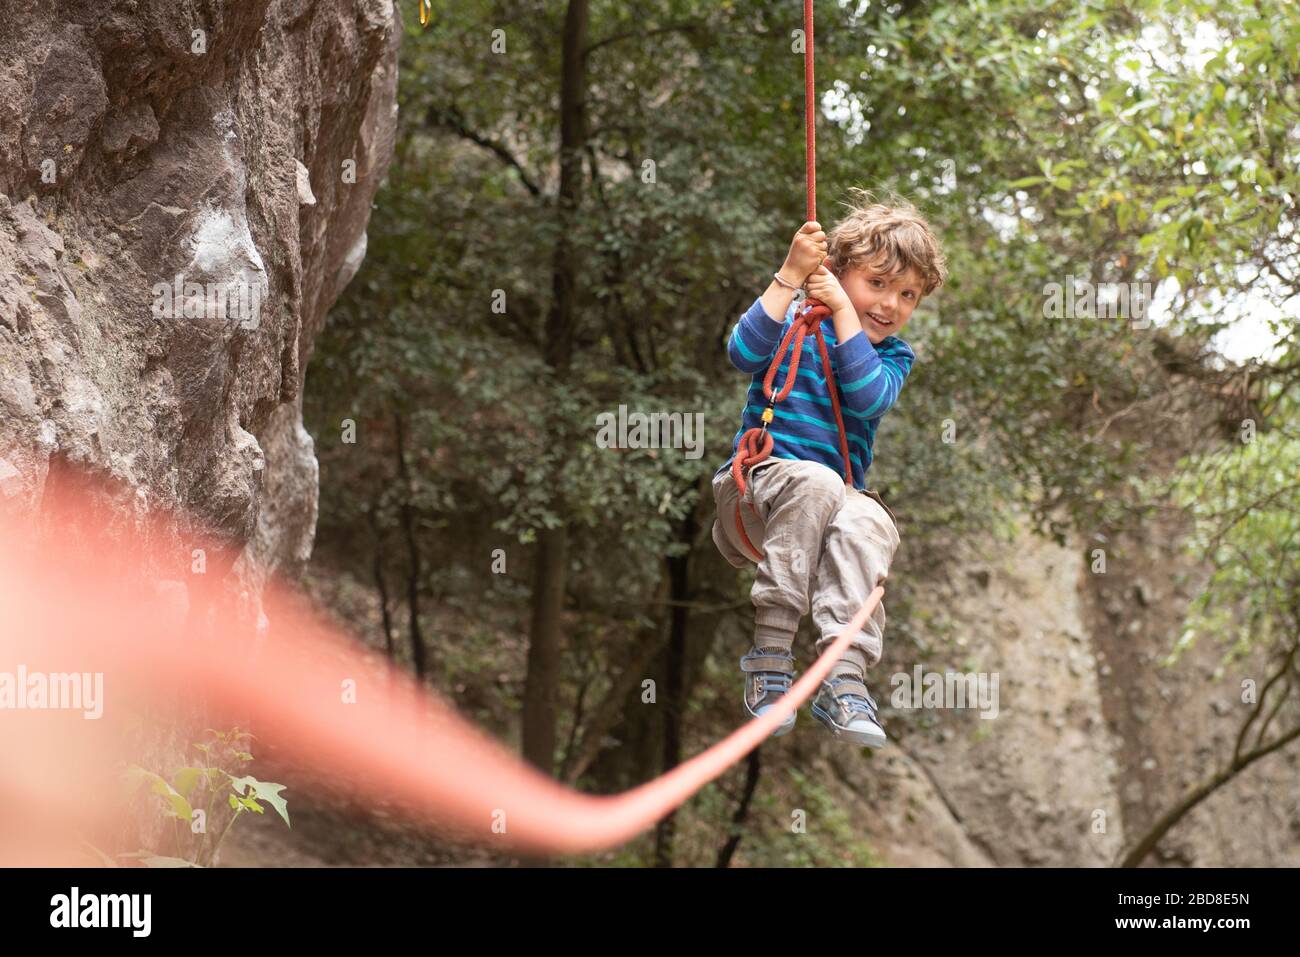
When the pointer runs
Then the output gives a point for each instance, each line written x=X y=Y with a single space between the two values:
x=177 y=805
x=187 y=778
x=266 y=791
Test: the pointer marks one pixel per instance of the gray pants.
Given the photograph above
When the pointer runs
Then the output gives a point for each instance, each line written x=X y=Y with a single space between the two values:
x=824 y=544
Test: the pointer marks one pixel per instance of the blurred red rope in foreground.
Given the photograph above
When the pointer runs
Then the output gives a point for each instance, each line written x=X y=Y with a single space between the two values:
x=72 y=601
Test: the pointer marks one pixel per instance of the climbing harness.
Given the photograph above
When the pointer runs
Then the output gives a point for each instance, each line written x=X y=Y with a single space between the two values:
x=756 y=445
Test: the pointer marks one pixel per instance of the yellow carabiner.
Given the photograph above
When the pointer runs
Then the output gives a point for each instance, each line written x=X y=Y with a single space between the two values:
x=425 y=9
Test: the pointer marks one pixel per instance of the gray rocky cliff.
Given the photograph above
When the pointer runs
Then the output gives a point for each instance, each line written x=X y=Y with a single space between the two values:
x=184 y=191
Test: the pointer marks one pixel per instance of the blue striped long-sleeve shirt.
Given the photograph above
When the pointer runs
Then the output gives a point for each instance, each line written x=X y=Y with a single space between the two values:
x=870 y=378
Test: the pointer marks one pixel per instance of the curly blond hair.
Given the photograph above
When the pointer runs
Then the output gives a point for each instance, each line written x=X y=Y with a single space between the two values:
x=890 y=236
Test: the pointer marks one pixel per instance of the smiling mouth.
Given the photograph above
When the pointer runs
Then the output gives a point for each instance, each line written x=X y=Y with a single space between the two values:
x=876 y=318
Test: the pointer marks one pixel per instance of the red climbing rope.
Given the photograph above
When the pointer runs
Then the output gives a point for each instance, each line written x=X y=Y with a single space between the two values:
x=756 y=444
x=809 y=114
x=341 y=715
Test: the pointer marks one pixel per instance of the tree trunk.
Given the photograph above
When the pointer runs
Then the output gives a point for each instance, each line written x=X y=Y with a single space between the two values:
x=381 y=583
x=753 y=765
x=416 y=569
x=558 y=345
x=674 y=693
x=542 y=682
x=551 y=576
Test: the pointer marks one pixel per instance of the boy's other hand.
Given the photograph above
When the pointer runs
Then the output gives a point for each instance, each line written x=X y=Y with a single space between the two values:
x=807 y=251
x=825 y=288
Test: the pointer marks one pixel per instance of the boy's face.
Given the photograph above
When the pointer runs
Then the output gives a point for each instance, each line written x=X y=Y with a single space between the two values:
x=883 y=303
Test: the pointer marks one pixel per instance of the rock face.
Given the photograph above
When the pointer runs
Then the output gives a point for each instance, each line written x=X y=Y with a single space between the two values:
x=184 y=191
x=1032 y=780
x=1093 y=738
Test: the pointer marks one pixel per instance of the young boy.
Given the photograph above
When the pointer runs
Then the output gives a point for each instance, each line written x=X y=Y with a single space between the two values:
x=822 y=541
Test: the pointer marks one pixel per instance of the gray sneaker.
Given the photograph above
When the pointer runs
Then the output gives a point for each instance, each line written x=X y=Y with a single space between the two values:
x=769 y=672
x=845 y=706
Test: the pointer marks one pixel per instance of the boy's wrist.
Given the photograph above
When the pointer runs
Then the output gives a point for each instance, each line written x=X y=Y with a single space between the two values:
x=846 y=322
x=784 y=282
x=791 y=277
x=774 y=302
x=845 y=315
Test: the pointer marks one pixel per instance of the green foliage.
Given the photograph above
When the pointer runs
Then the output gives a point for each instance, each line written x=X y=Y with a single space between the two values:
x=830 y=837
x=696 y=243
x=1244 y=502
x=1148 y=142
x=200 y=786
